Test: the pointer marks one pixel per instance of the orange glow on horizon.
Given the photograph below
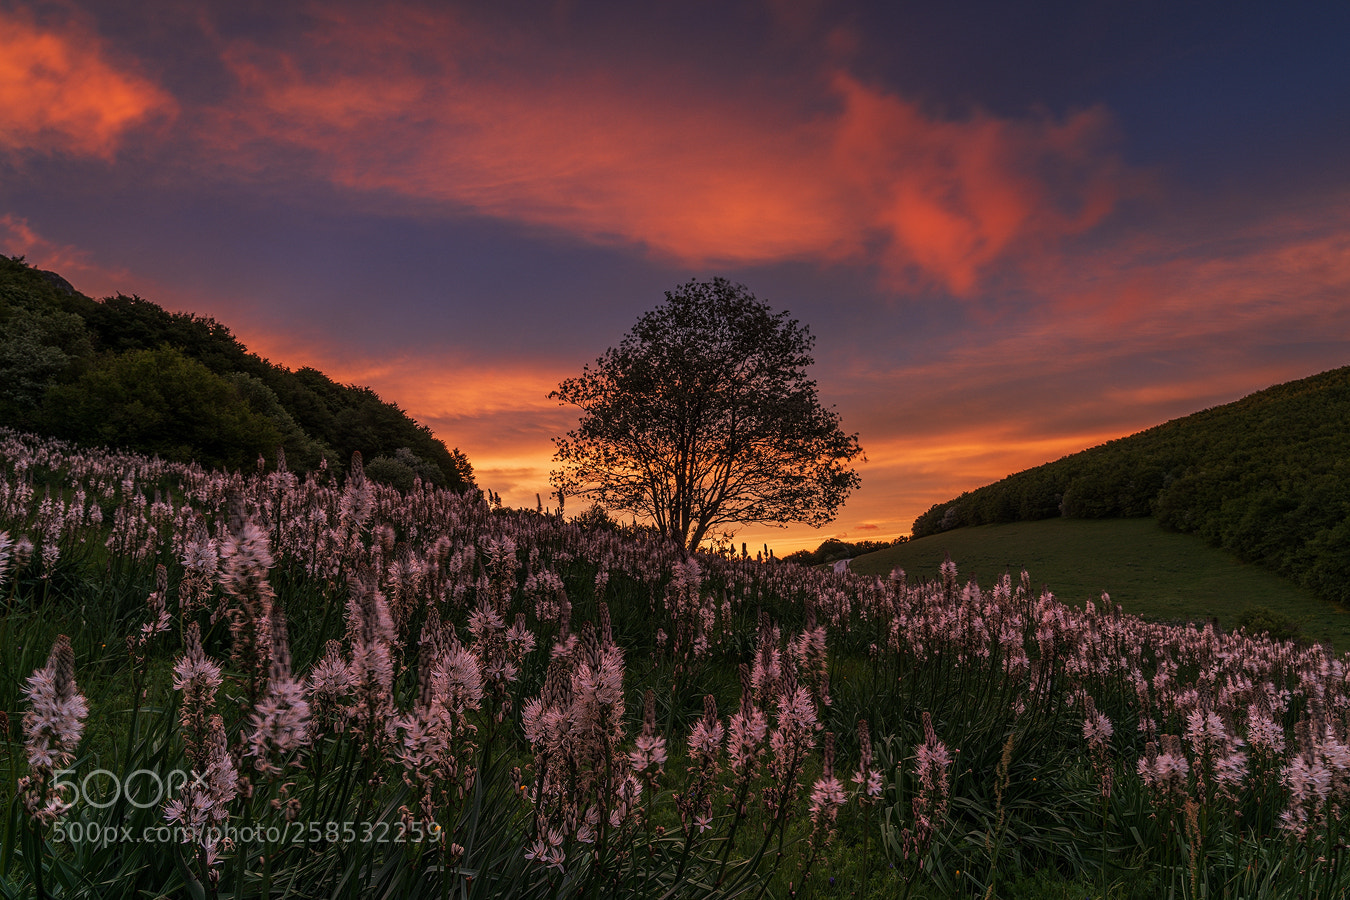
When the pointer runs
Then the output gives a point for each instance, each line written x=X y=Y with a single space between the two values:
x=479 y=410
x=967 y=427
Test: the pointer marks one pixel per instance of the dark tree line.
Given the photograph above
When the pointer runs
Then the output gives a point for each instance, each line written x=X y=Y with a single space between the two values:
x=835 y=549
x=1266 y=477
x=125 y=372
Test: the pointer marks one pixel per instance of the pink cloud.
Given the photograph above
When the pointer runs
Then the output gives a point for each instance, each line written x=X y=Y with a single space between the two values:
x=952 y=197
x=512 y=127
x=18 y=238
x=61 y=92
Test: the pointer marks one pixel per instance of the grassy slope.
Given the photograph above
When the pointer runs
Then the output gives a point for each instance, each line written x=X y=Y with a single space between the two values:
x=1266 y=478
x=1150 y=572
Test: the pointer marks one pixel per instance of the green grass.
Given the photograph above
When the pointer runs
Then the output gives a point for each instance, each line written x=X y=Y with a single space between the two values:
x=1150 y=572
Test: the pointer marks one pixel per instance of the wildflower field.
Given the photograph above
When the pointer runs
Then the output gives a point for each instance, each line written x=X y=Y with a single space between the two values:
x=265 y=685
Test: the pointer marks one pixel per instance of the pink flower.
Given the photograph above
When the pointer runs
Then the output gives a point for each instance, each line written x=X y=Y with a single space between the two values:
x=1263 y=734
x=649 y=757
x=54 y=723
x=930 y=806
x=790 y=742
x=200 y=554
x=650 y=754
x=52 y=729
x=826 y=797
x=867 y=778
x=705 y=740
x=372 y=668
x=547 y=850
x=330 y=683
x=245 y=559
x=280 y=721
x=745 y=735
x=6 y=549
x=1166 y=773
x=195 y=674
x=437 y=749
x=1097 y=730
x=203 y=806
x=1205 y=731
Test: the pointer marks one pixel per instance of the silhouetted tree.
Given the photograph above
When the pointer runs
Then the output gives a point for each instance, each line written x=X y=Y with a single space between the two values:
x=703 y=418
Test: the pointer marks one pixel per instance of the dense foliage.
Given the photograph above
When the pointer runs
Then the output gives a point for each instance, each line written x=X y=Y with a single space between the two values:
x=123 y=372
x=253 y=685
x=703 y=419
x=1266 y=477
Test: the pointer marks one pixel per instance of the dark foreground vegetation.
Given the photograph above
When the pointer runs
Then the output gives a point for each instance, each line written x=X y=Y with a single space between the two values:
x=1266 y=478
x=123 y=372
x=261 y=685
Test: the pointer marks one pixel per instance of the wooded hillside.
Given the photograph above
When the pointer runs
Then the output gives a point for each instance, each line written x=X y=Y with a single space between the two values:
x=123 y=372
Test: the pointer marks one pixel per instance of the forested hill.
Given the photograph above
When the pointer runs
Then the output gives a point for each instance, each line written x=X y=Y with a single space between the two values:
x=1266 y=477
x=123 y=372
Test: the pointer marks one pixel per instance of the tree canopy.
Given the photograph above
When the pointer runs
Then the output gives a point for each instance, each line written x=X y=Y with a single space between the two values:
x=703 y=419
x=167 y=404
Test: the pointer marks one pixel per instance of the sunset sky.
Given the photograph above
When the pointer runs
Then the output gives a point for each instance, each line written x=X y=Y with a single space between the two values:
x=1016 y=230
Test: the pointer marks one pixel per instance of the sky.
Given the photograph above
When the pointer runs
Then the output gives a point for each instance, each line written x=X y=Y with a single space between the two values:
x=1015 y=230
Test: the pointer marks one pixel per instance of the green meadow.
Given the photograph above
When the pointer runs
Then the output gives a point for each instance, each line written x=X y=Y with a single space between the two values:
x=1151 y=572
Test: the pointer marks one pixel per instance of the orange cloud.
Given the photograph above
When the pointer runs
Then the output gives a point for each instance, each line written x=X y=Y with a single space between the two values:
x=18 y=238
x=59 y=92
x=1288 y=275
x=508 y=127
x=954 y=196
